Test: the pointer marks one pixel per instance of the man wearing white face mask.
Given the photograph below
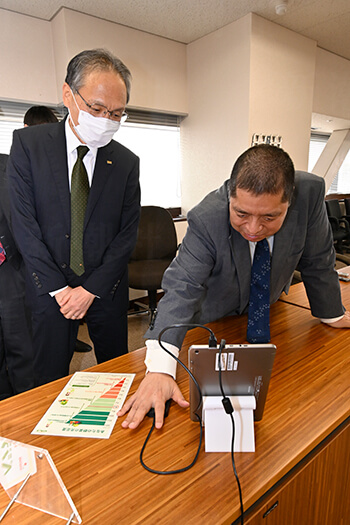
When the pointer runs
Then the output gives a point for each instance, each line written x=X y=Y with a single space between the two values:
x=92 y=130
x=75 y=201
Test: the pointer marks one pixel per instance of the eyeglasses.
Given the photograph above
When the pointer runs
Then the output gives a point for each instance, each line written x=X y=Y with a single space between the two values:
x=98 y=110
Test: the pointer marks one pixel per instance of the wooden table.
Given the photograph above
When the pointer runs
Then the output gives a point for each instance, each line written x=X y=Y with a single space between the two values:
x=301 y=443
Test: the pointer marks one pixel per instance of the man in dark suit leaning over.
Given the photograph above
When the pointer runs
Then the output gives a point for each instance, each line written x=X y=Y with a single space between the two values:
x=210 y=277
x=16 y=352
x=75 y=202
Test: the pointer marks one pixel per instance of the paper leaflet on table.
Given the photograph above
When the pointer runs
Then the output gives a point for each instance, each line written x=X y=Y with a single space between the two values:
x=87 y=406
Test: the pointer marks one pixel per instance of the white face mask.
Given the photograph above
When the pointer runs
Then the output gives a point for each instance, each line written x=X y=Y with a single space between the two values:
x=96 y=132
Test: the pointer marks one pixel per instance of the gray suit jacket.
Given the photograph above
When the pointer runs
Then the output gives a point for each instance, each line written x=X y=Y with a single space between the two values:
x=210 y=277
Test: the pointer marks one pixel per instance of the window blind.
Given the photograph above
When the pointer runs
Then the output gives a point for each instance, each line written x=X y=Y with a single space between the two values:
x=12 y=114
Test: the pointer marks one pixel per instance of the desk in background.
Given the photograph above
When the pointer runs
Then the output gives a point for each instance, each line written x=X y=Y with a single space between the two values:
x=302 y=443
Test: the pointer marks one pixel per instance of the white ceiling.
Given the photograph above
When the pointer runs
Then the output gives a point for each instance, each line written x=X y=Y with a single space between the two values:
x=326 y=21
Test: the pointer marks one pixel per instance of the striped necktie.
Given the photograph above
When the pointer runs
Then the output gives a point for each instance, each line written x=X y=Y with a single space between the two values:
x=258 y=330
x=2 y=254
x=79 y=197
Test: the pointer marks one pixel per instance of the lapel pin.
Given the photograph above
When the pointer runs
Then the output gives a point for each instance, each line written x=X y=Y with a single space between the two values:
x=109 y=162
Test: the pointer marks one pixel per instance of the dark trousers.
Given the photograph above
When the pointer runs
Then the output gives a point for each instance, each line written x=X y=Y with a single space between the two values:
x=16 y=351
x=55 y=336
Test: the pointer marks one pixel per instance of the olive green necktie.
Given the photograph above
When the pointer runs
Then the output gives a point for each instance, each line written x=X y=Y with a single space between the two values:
x=79 y=197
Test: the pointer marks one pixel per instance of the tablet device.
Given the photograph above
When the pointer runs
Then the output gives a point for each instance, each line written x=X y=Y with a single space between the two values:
x=246 y=370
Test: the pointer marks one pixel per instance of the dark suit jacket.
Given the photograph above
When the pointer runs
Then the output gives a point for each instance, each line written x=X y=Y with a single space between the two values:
x=6 y=238
x=16 y=355
x=40 y=207
x=210 y=277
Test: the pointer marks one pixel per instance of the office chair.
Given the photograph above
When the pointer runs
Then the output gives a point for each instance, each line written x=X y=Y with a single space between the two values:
x=339 y=224
x=347 y=206
x=155 y=248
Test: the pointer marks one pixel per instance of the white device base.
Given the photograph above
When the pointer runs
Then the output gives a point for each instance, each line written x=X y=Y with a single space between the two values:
x=218 y=425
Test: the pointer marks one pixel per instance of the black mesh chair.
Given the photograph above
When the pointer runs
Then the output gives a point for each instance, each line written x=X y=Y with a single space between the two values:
x=155 y=248
x=339 y=224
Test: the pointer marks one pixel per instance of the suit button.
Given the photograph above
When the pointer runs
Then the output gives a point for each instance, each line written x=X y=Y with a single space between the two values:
x=39 y=285
x=67 y=236
x=63 y=265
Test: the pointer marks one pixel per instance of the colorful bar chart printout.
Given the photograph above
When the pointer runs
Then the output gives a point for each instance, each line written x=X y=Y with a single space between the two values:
x=87 y=406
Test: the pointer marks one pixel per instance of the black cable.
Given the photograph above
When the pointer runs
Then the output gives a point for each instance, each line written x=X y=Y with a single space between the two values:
x=225 y=401
x=177 y=471
x=212 y=342
x=229 y=410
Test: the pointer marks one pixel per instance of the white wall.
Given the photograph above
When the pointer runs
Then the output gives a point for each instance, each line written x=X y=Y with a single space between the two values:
x=332 y=85
x=281 y=87
x=158 y=65
x=217 y=128
x=252 y=76
x=27 y=60
x=34 y=56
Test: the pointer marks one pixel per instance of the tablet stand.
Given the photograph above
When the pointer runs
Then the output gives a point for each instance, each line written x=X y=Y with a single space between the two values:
x=29 y=476
x=218 y=425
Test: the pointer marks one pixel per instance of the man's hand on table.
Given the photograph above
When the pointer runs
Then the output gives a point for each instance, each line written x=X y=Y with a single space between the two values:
x=155 y=389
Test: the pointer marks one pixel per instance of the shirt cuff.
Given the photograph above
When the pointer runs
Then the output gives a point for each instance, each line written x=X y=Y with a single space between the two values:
x=157 y=360
x=57 y=291
x=332 y=320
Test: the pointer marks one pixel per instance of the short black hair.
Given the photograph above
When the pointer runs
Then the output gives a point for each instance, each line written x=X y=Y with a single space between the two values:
x=39 y=115
x=263 y=169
